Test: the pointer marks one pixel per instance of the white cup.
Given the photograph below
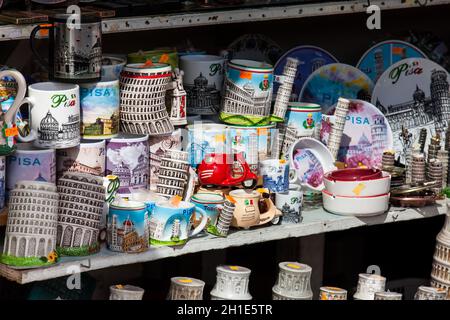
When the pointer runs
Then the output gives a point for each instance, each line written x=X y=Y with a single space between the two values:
x=290 y=204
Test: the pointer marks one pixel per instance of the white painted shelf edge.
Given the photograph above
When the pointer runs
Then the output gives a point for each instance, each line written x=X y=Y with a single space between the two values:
x=193 y=19
x=315 y=221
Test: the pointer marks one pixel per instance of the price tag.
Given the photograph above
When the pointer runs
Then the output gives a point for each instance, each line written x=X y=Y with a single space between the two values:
x=11 y=132
x=245 y=75
x=293 y=266
x=185 y=280
x=234 y=268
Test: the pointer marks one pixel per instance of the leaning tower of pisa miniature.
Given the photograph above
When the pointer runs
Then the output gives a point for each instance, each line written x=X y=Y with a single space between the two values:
x=143 y=99
x=440 y=274
x=173 y=173
x=285 y=89
x=231 y=283
x=334 y=141
x=368 y=284
x=32 y=221
x=443 y=157
x=176 y=98
x=225 y=217
x=293 y=283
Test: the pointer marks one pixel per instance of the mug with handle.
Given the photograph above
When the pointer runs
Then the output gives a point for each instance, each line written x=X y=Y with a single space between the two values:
x=54 y=115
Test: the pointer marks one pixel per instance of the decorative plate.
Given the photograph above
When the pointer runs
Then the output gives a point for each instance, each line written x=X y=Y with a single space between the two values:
x=330 y=82
x=413 y=94
x=311 y=160
x=367 y=134
x=384 y=54
x=255 y=47
x=311 y=58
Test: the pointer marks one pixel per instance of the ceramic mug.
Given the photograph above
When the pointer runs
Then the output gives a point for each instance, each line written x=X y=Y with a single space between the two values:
x=88 y=157
x=171 y=225
x=203 y=80
x=211 y=203
x=112 y=65
x=100 y=109
x=290 y=204
x=128 y=226
x=304 y=117
x=54 y=115
x=205 y=138
x=127 y=158
x=276 y=175
x=30 y=163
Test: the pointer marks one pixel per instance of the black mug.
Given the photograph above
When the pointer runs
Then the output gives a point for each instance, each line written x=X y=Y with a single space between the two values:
x=75 y=48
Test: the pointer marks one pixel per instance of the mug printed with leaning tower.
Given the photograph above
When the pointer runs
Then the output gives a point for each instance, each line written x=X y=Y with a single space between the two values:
x=30 y=163
x=290 y=204
x=88 y=157
x=54 y=115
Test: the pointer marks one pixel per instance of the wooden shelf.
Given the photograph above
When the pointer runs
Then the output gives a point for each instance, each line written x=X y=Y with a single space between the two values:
x=315 y=221
x=194 y=19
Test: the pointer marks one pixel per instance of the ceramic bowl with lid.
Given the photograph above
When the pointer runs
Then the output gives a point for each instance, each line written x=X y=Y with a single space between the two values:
x=377 y=185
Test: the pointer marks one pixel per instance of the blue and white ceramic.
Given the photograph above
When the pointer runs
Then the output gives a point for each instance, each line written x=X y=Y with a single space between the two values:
x=112 y=66
x=128 y=227
x=275 y=173
x=330 y=82
x=171 y=224
x=310 y=57
x=304 y=117
x=384 y=54
x=211 y=203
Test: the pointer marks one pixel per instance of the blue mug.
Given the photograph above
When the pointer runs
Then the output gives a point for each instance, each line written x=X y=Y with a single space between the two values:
x=211 y=203
x=171 y=225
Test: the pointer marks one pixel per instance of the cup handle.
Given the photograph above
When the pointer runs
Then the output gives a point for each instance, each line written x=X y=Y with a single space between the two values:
x=292 y=176
x=33 y=134
x=33 y=43
x=271 y=213
x=202 y=224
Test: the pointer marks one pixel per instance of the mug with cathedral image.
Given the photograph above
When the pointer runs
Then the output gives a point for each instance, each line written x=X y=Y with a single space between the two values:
x=54 y=115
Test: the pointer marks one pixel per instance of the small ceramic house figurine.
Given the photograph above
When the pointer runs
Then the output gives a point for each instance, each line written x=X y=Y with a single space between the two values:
x=176 y=99
x=430 y=293
x=30 y=237
x=142 y=99
x=418 y=168
x=285 y=89
x=231 y=284
x=440 y=274
x=183 y=288
x=126 y=292
x=368 y=284
x=388 y=295
x=81 y=201
x=293 y=283
x=334 y=141
x=173 y=173
x=332 y=293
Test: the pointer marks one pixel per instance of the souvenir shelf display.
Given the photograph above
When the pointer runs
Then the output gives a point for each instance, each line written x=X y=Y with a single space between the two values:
x=173 y=173
x=81 y=201
x=293 y=283
x=143 y=99
x=30 y=238
x=231 y=284
x=184 y=288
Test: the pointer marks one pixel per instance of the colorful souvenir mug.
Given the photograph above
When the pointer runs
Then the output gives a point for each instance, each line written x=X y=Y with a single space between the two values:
x=30 y=163
x=7 y=119
x=304 y=117
x=75 y=50
x=290 y=203
x=54 y=114
x=128 y=226
x=247 y=213
x=248 y=93
x=100 y=109
x=276 y=175
x=211 y=203
x=112 y=65
x=171 y=224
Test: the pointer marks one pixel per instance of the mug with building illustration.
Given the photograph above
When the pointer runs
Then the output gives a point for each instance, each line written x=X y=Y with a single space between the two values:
x=171 y=224
x=54 y=115
x=248 y=93
x=128 y=226
x=88 y=157
x=30 y=163
x=127 y=158
x=75 y=53
x=100 y=103
x=203 y=80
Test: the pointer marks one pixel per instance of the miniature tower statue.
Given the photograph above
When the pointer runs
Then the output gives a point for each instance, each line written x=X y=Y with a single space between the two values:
x=388 y=160
x=231 y=283
x=225 y=217
x=293 y=283
x=177 y=100
x=334 y=141
x=368 y=285
x=435 y=174
x=443 y=157
x=285 y=89
x=440 y=277
x=434 y=147
x=430 y=293
x=184 y=288
x=418 y=168
x=125 y=292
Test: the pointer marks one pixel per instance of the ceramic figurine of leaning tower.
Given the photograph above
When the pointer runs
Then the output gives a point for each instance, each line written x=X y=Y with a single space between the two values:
x=285 y=89
x=334 y=141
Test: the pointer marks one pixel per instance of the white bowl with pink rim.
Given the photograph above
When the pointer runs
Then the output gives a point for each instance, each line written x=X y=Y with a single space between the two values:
x=355 y=206
x=311 y=159
x=358 y=188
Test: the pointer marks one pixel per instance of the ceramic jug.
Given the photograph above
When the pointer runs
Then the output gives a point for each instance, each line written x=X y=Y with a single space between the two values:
x=7 y=120
x=247 y=214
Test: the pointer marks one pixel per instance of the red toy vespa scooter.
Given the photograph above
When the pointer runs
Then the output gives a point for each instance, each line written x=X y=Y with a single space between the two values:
x=217 y=169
